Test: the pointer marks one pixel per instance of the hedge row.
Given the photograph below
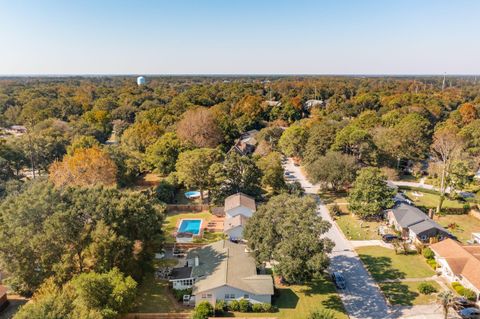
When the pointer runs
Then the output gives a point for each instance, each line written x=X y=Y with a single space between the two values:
x=465 y=292
x=242 y=305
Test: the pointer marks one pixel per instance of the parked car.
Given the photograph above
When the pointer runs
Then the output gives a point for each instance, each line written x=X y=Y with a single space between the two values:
x=460 y=303
x=469 y=313
x=388 y=238
x=339 y=280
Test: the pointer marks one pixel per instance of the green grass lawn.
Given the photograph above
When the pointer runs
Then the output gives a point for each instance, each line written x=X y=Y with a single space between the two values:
x=297 y=301
x=330 y=197
x=153 y=296
x=384 y=264
x=356 y=229
x=466 y=225
x=173 y=218
x=406 y=293
x=431 y=200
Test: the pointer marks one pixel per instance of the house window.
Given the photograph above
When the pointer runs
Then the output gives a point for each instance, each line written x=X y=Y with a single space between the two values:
x=204 y=296
x=246 y=296
x=229 y=296
x=209 y=295
x=423 y=237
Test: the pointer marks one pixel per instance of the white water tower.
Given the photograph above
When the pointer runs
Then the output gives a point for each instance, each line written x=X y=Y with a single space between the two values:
x=140 y=81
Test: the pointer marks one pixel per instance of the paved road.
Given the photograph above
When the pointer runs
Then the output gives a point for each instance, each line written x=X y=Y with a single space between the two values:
x=362 y=298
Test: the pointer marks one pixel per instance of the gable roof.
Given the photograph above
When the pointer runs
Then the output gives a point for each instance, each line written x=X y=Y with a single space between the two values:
x=235 y=221
x=407 y=215
x=239 y=199
x=426 y=225
x=224 y=263
x=463 y=260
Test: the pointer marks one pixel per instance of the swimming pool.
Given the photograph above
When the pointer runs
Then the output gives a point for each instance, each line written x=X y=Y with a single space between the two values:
x=190 y=226
x=192 y=194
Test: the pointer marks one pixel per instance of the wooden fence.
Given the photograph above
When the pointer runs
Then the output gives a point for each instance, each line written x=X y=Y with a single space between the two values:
x=169 y=315
x=187 y=208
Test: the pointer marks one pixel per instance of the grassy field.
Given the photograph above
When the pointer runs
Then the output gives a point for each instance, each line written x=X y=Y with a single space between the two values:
x=356 y=229
x=431 y=200
x=297 y=301
x=466 y=225
x=406 y=293
x=173 y=218
x=329 y=197
x=153 y=296
x=384 y=264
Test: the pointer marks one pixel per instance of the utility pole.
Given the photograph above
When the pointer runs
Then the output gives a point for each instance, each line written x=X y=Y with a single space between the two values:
x=443 y=83
x=32 y=157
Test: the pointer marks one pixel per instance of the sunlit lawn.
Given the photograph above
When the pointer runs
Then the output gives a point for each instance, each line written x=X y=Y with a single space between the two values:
x=153 y=297
x=431 y=200
x=384 y=264
x=407 y=294
x=297 y=301
x=355 y=229
x=466 y=225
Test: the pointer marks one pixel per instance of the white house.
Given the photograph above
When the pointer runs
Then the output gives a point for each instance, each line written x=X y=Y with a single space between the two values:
x=459 y=263
x=239 y=204
x=233 y=227
x=223 y=271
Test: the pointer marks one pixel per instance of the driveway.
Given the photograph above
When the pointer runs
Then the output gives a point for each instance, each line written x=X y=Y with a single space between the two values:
x=362 y=297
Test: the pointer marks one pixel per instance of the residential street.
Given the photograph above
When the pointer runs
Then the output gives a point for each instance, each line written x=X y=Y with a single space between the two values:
x=362 y=298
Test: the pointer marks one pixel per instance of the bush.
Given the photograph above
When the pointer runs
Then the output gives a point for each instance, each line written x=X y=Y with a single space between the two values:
x=203 y=310
x=267 y=307
x=220 y=306
x=178 y=293
x=244 y=305
x=432 y=263
x=257 y=307
x=165 y=192
x=426 y=288
x=321 y=314
x=462 y=291
x=428 y=253
x=234 y=305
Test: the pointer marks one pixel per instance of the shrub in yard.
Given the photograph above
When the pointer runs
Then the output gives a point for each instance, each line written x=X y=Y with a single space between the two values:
x=432 y=263
x=462 y=291
x=469 y=294
x=321 y=314
x=428 y=253
x=426 y=288
x=267 y=307
x=220 y=306
x=203 y=310
x=234 y=305
x=178 y=293
x=244 y=305
x=257 y=307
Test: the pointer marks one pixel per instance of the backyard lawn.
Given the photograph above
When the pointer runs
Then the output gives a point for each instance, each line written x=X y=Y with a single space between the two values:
x=431 y=200
x=297 y=301
x=384 y=264
x=153 y=296
x=465 y=225
x=406 y=293
x=172 y=219
x=356 y=229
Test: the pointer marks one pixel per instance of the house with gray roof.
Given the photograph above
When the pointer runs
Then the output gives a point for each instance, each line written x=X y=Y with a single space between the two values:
x=223 y=271
x=414 y=224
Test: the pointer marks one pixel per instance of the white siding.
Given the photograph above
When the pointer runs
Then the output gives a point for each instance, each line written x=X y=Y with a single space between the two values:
x=219 y=294
x=241 y=210
x=235 y=233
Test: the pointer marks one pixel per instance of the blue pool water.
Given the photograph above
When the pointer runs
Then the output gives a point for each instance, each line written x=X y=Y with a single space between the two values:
x=192 y=194
x=190 y=226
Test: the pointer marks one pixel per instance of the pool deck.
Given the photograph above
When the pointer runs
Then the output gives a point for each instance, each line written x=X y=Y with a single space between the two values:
x=213 y=225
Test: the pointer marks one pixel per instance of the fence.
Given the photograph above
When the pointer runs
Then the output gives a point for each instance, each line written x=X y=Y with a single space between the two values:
x=475 y=213
x=169 y=315
x=187 y=208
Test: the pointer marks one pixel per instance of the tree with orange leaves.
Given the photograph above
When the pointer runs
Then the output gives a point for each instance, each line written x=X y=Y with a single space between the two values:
x=85 y=167
x=468 y=113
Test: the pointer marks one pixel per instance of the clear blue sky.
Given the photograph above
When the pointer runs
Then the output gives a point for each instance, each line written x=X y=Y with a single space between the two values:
x=239 y=37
